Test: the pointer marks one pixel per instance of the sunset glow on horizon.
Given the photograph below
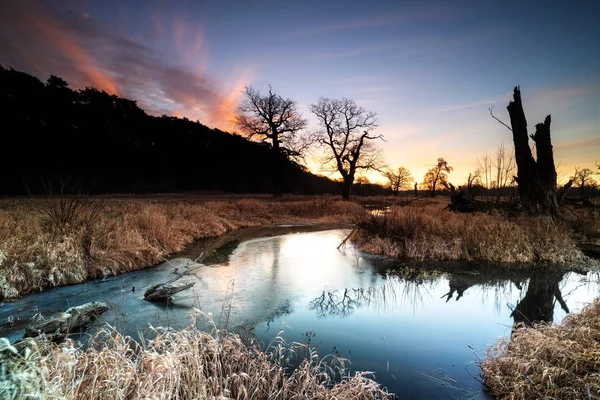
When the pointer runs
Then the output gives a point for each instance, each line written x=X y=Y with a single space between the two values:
x=430 y=71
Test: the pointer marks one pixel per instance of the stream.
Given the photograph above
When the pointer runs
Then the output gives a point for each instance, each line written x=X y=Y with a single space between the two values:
x=420 y=333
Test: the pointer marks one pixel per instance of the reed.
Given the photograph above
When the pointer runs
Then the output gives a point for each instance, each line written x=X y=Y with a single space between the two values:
x=187 y=364
x=428 y=232
x=548 y=361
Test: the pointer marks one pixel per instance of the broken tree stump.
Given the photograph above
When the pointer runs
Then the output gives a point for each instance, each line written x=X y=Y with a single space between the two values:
x=536 y=179
x=164 y=291
x=75 y=319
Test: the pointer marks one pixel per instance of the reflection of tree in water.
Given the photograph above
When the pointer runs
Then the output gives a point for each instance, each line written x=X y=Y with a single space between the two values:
x=536 y=306
x=379 y=298
x=409 y=285
x=332 y=304
x=283 y=308
x=488 y=281
x=538 y=303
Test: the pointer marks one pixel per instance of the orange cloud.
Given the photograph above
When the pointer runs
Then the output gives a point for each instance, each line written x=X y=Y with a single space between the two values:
x=223 y=114
x=42 y=25
x=169 y=79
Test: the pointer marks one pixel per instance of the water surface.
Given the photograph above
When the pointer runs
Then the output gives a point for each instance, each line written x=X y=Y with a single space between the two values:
x=420 y=333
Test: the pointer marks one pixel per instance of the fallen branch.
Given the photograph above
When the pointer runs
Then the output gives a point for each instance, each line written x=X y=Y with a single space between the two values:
x=347 y=237
x=75 y=319
x=164 y=291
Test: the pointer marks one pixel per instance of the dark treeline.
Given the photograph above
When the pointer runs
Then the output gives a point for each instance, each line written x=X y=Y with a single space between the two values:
x=110 y=145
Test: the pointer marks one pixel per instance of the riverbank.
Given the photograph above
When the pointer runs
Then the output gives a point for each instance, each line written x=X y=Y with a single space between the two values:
x=47 y=242
x=187 y=364
x=425 y=231
x=548 y=361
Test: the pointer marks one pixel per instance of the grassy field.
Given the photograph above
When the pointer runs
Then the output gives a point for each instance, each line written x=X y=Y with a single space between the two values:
x=46 y=242
x=188 y=364
x=423 y=230
x=548 y=361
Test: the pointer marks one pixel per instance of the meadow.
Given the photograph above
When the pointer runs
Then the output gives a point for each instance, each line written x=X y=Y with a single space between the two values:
x=423 y=230
x=47 y=242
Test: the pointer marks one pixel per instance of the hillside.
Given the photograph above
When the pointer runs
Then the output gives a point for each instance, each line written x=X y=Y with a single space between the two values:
x=109 y=144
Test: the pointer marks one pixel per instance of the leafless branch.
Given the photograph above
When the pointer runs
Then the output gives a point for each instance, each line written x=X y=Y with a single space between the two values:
x=498 y=119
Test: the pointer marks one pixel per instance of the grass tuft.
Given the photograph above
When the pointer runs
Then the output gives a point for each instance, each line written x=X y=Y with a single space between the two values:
x=188 y=364
x=548 y=361
x=428 y=232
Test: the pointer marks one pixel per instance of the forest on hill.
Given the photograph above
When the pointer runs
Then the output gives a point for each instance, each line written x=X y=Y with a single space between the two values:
x=110 y=145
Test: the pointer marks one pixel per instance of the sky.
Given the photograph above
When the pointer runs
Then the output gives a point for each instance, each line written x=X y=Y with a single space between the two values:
x=430 y=70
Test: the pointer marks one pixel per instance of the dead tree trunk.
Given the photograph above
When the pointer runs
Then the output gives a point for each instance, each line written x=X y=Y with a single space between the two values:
x=536 y=180
x=164 y=292
x=546 y=168
x=75 y=319
x=347 y=188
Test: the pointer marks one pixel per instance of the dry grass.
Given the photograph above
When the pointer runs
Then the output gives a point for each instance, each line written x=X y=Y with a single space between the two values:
x=188 y=364
x=44 y=243
x=548 y=362
x=428 y=232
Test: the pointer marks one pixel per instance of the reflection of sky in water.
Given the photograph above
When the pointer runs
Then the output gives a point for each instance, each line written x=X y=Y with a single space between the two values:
x=419 y=342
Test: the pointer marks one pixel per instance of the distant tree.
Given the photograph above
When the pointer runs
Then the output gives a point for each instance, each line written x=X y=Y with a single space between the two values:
x=274 y=120
x=474 y=178
x=583 y=178
x=437 y=176
x=400 y=178
x=497 y=170
x=346 y=134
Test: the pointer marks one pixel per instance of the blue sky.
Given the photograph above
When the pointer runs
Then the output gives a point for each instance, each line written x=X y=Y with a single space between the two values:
x=429 y=69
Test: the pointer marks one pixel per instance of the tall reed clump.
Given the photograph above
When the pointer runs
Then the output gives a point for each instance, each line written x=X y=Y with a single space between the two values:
x=47 y=242
x=188 y=364
x=548 y=361
x=431 y=233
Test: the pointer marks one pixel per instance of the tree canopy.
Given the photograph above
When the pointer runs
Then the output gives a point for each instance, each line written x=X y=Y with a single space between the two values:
x=276 y=121
x=400 y=178
x=346 y=135
x=437 y=176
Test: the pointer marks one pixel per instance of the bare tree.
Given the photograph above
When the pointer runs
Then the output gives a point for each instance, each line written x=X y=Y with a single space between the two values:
x=400 y=178
x=504 y=168
x=437 y=175
x=274 y=120
x=583 y=178
x=497 y=170
x=473 y=179
x=346 y=132
x=484 y=166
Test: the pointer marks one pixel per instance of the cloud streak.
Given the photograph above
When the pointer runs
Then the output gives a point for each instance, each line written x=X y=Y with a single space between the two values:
x=37 y=37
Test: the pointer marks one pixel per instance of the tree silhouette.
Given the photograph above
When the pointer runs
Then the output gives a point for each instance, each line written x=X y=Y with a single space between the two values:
x=437 y=175
x=113 y=146
x=275 y=120
x=400 y=178
x=497 y=170
x=536 y=179
x=346 y=134
x=583 y=178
